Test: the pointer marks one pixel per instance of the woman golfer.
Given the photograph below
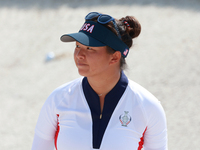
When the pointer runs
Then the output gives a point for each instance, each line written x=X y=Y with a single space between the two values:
x=103 y=109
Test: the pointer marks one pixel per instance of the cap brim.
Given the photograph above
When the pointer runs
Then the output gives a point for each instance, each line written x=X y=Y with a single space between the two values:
x=82 y=38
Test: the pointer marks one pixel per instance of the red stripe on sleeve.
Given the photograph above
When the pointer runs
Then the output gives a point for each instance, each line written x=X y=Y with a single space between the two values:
x=57 y=132
x=141 y=143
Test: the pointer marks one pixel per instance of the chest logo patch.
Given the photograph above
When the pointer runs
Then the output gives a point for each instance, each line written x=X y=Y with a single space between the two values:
x=125 y=119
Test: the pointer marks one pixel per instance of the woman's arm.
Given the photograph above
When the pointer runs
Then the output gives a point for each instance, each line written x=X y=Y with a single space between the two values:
x=155 y=137
x=46 y=126
x=42 y=144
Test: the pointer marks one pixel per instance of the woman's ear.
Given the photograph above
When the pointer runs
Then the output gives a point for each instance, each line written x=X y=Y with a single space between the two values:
x=115 y=57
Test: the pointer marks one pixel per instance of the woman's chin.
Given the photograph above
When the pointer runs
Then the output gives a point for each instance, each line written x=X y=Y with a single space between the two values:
x=83 y=72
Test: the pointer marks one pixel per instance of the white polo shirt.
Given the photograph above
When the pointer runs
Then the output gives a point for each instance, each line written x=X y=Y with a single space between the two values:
x=130 y=120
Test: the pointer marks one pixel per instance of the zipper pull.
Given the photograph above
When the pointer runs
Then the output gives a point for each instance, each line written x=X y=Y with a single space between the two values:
x=100 y=116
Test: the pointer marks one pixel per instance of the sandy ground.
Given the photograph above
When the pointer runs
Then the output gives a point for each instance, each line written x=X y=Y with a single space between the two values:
x=164 y=59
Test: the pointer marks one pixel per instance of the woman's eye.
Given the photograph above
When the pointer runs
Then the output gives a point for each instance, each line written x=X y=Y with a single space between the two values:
x=89 y=48
x=77 y=46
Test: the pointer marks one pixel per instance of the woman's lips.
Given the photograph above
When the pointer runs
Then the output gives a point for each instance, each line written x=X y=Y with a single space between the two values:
x=81 y=64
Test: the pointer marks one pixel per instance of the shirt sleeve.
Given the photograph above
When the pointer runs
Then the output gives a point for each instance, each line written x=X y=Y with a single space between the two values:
x=155 y=137
x=46 y=126
x=42 y=144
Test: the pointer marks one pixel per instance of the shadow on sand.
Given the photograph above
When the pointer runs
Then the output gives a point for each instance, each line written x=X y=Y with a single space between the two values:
x=54 y=4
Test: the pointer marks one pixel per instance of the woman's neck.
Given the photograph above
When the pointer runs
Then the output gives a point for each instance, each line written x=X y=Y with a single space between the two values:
x=104 y=84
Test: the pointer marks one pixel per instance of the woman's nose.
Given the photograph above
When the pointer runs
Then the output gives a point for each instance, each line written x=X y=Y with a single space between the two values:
x=80 y=53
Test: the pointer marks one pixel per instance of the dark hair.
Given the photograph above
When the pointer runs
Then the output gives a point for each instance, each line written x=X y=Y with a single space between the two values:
x=129 y=28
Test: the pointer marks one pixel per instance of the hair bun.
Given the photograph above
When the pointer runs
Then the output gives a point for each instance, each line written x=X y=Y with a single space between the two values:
x=134 y=27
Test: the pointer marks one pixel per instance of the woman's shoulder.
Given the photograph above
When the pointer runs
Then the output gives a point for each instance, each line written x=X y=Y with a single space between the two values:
x=148 y=102
x=140 y=90
x=143 y=96
x=69 y=85
x=63 y=91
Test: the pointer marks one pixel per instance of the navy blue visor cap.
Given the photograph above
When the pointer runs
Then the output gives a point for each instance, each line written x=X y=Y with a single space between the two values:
x=96 y=35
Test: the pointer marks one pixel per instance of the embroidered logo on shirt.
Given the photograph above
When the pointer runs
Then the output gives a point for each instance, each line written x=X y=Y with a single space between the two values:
x=125 y=119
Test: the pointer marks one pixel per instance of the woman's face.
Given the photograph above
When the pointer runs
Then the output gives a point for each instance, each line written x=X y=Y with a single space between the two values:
x=91 y=61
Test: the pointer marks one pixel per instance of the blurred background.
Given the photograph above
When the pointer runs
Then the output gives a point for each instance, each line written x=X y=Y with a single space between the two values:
x=164 y=59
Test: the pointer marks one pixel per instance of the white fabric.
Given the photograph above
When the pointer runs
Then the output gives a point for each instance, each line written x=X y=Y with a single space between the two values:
x=76 y=123
x=42 y=144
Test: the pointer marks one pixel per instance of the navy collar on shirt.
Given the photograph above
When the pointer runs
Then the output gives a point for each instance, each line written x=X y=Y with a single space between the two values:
x=111 y=101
